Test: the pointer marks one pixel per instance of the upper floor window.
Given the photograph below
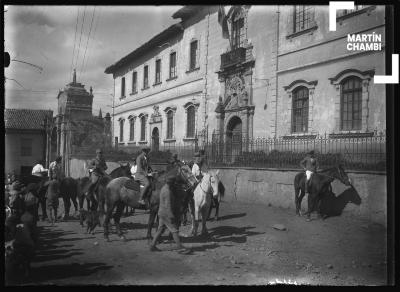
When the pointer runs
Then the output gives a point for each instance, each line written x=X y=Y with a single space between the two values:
x=172 y=65
x=26 y=147
x=121 y=130
x=132 y=129
x=123 y=87
x=146 y=77
x=158 y=71
x=170 y=124
x=191 y=116
x=143 y=128
x=238 y=32
x=350 y=104
x=343 y=12
x=303 y=17
x=300 y=110
x=134 y=82
x=194 y=55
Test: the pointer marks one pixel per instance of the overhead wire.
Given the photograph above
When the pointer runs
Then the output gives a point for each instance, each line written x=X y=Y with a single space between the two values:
x=80 y=38
x=73 y=51
x=87 y=41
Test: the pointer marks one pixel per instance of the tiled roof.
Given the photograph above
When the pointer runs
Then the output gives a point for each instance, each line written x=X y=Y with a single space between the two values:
x=25 y=119
x=171 y=31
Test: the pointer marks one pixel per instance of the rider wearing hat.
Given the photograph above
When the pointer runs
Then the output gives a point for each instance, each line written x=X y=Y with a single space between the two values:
x=97 y=168
x=310 y=165
x=143 y=168
x=55 y=169
x=198 y=164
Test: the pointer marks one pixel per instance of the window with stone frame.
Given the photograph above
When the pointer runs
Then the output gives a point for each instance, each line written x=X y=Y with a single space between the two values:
x=121 y=130
x=303 y=17
x=172 y=65
x=143 y=128
x=238 y=32
x=194 y=55
x=300 y=100
x=343 y=12
x=170 y=124
x=123 y=87
x=132 y=129
x=26 y=147
x=134 y=82
x=158 y=72
x=146 y=77
x=351 y=104
x=191 y=117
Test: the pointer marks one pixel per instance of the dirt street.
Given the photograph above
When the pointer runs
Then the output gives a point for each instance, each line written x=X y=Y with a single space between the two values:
x=242 y=248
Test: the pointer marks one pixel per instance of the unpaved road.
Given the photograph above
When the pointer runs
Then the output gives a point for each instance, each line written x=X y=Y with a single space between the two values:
x=242 y=248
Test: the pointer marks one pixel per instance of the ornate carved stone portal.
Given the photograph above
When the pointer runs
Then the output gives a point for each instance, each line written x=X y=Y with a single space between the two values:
x=235 y=109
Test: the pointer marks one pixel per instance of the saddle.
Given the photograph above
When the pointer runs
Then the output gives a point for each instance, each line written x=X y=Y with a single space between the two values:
x=132 y=185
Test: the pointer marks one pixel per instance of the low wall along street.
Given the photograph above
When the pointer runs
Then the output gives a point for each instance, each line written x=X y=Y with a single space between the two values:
x=275 y=187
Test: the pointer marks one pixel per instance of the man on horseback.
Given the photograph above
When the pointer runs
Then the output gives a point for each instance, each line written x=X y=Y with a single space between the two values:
x=97 y=168
x=310 y=165
x=197 y=166
x=142 y=171
x=55 y=169
x=38 y=169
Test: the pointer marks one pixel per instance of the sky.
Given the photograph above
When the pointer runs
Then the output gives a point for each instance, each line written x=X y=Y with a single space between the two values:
x=55 y=39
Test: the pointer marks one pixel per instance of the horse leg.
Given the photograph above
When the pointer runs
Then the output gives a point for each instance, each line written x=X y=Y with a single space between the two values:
x=191 y=210
x=299 y=199
x=296 y=200
x=204 y=212
x=107 y=218
x=150 y=223
x=310 y=206
x=67 y=205
x=117 y=217
x=216 y=209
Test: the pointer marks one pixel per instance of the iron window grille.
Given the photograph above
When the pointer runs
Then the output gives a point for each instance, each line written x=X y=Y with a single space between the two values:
x=300 y=110
x=351 y=104
x=170 y=124
x=303 y=17
x=191 y=115
x=158 y=71
x=172 y=65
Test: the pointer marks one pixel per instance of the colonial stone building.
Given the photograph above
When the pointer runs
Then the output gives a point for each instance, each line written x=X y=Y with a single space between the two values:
x=75 y=129
x=280 y=73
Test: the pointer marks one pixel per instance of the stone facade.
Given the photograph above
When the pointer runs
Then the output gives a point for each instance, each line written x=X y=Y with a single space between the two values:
x=248 y=90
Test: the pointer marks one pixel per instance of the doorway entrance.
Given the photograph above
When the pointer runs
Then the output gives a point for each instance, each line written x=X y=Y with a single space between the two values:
x=155 y=137
x=233 y=139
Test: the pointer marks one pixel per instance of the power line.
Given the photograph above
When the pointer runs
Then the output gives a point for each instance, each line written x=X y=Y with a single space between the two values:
x=94 y=33
x=83 y=21
x=73 y=52
x=87 y=41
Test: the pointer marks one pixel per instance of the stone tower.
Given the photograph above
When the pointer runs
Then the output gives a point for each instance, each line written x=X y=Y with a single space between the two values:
x=74 y=101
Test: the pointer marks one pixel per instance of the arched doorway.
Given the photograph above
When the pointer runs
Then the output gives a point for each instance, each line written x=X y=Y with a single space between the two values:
x=155 y=136
x=233 y=139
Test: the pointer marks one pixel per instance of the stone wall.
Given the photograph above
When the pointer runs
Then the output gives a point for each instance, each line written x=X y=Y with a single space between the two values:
x=275 y=187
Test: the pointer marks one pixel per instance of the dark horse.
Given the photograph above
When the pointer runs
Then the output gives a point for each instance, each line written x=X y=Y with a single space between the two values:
x=117 y=196
x=69 y=190
x=320 y=183
x=333 y=206
x=98 y=199
x=37 y=186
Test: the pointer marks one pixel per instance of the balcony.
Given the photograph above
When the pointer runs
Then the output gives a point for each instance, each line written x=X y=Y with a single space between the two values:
x=233 y=57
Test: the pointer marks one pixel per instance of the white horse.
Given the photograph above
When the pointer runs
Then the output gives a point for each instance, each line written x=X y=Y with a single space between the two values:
x=205 y=191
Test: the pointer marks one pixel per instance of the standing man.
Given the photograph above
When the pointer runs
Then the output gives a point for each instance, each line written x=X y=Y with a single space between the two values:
x=97 y=168
x=143 y=168
x=168 y=214
x=55 y=169
x=310 y=165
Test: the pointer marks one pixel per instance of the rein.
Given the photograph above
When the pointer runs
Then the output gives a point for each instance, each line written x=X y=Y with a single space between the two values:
x=340 y=179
